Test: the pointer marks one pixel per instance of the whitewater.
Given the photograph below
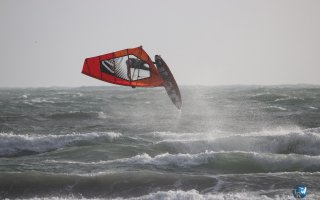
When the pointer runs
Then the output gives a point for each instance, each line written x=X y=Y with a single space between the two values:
x=227 y=142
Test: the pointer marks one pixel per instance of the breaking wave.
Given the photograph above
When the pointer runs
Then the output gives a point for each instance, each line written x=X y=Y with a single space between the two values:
x=213 y=162
x=15 y=145
x=305 y=142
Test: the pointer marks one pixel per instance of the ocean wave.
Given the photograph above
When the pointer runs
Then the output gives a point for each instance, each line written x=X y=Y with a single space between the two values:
x=276 y=108
x=289 y=98
x=25 y=96
x=285 y=141
x=15 y=145
x=77 y=115
x=194 y=195
x=264 y=97
x=185 y=136
x=182 y=160
x=153 y=185
x=212 y=162
x=78 y=94
x=112 y=185
x=27 y=103
x=313 y=108
x=216 y=134
x=102 y=115
x=42 y=100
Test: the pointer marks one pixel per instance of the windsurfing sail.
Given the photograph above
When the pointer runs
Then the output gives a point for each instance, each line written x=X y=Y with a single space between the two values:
x=128 y=67
x=133 y=67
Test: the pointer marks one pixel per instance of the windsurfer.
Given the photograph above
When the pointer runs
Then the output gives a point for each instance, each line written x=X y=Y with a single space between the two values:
x=136 y=64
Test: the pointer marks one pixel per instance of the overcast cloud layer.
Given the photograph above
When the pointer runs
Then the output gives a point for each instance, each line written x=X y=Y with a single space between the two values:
x=207 y=42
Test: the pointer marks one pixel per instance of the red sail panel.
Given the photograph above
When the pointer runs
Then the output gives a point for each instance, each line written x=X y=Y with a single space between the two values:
x=128 y=67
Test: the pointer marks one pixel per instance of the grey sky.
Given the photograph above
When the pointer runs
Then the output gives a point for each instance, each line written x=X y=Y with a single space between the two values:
x=204 y=42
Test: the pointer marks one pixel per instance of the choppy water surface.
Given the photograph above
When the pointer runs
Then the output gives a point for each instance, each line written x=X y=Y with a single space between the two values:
x=231 y=142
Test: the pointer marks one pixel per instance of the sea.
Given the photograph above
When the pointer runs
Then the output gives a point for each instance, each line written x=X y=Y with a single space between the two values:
x=112 y=142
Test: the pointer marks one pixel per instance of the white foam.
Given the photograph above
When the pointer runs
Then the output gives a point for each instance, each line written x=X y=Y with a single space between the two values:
x=41 y=100
x=181 y=160
x=267 y=162
x=289 y=98
x=218 y=134
x=286 y=140
x=172 y=136
x=261 y=94
x=313 y=108
x=80 y=94
x=277 y=107
x=189 y=160
x=28 y=103
x=102 y=115
x=277 y=131
x=11 y=144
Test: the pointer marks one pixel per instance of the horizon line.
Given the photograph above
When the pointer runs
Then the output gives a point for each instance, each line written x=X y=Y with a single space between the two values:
x=183 y=85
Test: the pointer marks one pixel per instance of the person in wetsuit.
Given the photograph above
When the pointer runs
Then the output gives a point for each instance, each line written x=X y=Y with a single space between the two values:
x=135 y=64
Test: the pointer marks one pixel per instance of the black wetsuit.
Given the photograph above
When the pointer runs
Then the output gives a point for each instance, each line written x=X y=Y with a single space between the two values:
x=136 y=64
